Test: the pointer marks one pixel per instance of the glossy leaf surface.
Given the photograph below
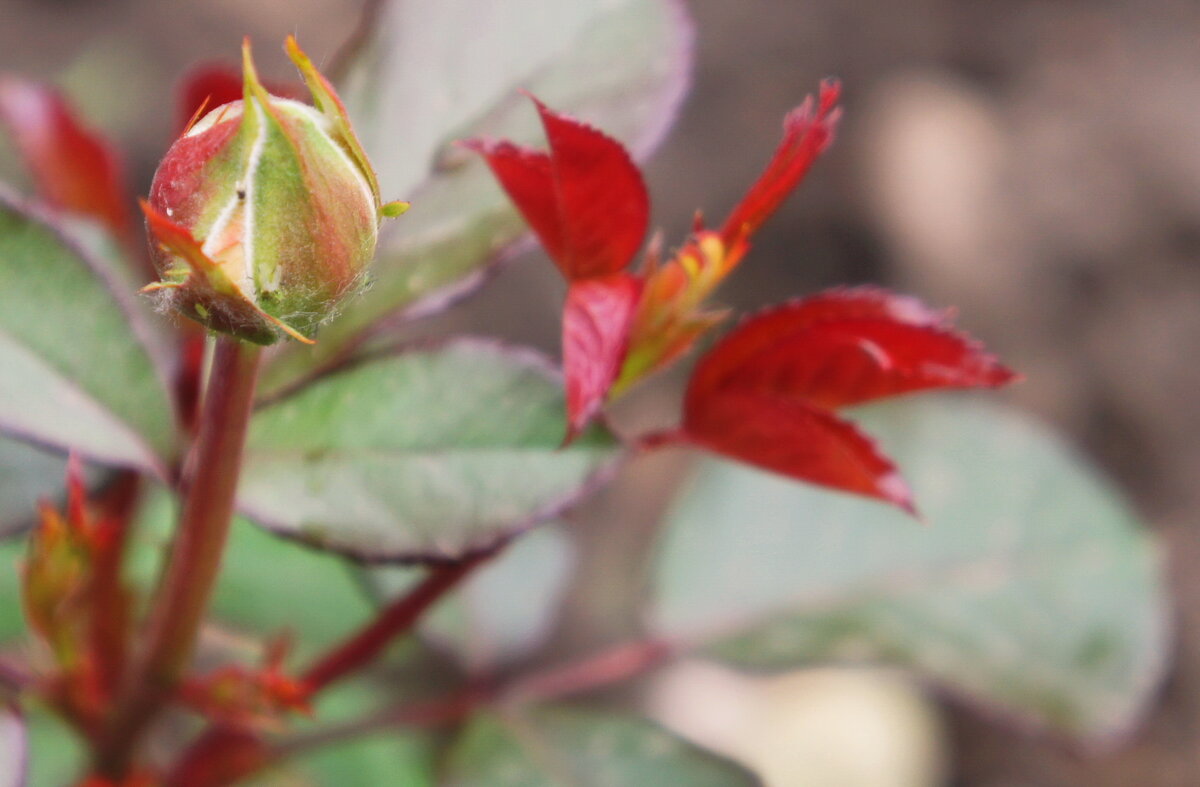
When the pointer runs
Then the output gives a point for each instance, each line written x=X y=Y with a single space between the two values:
x=557 y=747
x=595 y=337
x=584 y=197
x=765 y=394
x=76 y=369
x=1031 y=588
x=412 y=90
x=425 y=454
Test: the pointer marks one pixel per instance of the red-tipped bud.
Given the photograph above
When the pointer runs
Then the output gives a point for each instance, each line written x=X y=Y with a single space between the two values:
x=265 y=213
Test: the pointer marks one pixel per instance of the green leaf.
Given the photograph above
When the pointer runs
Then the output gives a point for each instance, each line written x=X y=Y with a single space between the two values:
x=429 y=453
x=12 y=616
x=266 y=584
x=504 y=610
x=14 y=747
x=1030 y=587
x=76 y=356
x=416 y=84
x=56 y=755
x=561 y=746
x=27 y=476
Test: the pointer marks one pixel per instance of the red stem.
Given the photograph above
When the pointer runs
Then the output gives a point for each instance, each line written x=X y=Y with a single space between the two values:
x=187 y=582
x=396 y=619
x=110 y=600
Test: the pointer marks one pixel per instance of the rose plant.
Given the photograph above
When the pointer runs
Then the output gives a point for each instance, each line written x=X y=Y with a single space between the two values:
x=270 y=370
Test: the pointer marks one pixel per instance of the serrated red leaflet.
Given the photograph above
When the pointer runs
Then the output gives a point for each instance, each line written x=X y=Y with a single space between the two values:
x=847 y=347
x=596 y=323
x=789 y=437
x=807 y=132
x=584 y=199
x=794 y=364
x=209 y=85
x=73 y=167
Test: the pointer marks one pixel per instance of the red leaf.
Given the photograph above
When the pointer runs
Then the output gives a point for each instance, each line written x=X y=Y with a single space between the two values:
x=596 y=324
x=847 y=347
x=585 y=199
x=795 y=439
x=72 y=167
x=209 y=85
x=806 y=134
x=765 y=393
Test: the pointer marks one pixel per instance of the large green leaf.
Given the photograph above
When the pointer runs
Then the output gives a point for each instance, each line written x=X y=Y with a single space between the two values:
x=503 y=610
x=429 y=453
x=76 y=368
x=14 y=747
x=27 y=475
x=560 y=747
x=1031 y=585
x=430 y=73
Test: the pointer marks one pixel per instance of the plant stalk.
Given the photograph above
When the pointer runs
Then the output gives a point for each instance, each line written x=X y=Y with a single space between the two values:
x=187 y=581
x=395 y=620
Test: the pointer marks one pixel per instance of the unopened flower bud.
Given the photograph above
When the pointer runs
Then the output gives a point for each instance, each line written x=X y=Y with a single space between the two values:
x=265 y=213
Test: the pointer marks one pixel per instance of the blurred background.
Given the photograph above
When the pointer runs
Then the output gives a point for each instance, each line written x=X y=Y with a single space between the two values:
x=1033 y=163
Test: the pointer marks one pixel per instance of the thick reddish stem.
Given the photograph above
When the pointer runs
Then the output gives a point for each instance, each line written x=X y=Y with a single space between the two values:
x=188 y=579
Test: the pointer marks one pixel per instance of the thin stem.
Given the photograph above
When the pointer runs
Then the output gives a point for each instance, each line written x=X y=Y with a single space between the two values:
x=187 y=581
x=605 y=668
x=395 y=620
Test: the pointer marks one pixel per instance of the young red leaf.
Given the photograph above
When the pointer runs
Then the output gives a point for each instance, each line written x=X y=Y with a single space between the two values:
x=847 y=347
x=596 y=323
x=807 y=131
x=786 y=369
x=73 y=168
x=795 y=439
x=584 y=199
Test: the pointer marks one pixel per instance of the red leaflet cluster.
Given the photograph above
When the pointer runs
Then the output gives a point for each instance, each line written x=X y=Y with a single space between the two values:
x=250 y=699
x=76 y=603
x=73 y=169
x=766 y=394
x=587 y=203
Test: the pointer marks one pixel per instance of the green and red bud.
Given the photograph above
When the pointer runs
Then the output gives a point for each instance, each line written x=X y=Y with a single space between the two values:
x=265 y=213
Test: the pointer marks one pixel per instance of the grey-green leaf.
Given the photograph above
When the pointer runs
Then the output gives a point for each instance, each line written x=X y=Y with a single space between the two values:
x=76 y=368
x=428 y=74
x=562 y=747
x=503 y=610
x=1031 y=587
x=427 y=454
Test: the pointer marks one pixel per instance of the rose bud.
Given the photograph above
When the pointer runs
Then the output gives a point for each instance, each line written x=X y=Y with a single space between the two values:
x=265 y=213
